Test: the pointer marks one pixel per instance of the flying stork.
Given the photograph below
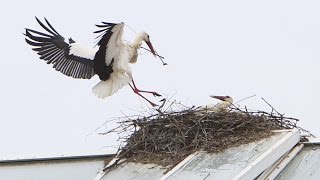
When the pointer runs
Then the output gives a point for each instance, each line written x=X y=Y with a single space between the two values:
x=110 y=61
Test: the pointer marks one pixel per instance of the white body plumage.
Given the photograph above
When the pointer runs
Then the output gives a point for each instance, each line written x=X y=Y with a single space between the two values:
x=122 y=74
x=226 y=101
x=120 y=77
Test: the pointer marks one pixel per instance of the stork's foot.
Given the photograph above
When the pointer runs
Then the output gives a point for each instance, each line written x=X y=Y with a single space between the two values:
x=156 y=94
x=153 y=104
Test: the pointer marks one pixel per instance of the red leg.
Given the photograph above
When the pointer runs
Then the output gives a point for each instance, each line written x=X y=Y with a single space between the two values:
x=138 y=90
x=135 y=90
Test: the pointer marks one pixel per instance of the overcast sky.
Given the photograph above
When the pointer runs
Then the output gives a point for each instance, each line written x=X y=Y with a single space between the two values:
x=236 y=48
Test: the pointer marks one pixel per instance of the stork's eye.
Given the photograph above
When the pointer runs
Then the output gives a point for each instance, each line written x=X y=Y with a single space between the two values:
x=148 y=37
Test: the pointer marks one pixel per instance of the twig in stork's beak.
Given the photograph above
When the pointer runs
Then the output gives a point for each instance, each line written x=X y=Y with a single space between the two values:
x=156 y=54
x=161 y=58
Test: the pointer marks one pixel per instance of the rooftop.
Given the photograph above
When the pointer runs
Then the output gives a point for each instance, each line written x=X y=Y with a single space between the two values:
x=190 y=144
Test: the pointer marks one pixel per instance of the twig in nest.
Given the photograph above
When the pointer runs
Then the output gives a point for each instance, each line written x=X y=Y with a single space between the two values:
x=161 y=106
x=244 y=99
x=160 y=57
x=271 y=107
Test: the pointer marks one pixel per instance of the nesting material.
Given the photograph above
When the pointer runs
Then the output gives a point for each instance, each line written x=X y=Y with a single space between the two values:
x=165 y=138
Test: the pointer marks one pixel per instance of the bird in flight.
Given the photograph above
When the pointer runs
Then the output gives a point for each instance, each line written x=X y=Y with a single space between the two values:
x=110 y=61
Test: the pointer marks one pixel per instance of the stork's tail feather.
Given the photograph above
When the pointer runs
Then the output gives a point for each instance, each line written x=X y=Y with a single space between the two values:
x=107 y=88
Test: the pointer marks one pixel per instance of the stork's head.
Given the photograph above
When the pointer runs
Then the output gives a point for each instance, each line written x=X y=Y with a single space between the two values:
x=224 y=98
x=146 y=38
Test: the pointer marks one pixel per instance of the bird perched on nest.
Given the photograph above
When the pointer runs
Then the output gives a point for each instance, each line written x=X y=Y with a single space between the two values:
x=226 y=101
x=110 y=61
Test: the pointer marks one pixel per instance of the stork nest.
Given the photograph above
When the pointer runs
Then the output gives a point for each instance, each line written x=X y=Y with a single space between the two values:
x=165 y=138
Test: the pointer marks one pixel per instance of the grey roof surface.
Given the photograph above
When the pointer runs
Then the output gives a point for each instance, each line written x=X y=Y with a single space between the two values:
x=224 y=165
x=62 y=168
x=306 y=165
x=135 y=171
x=201 y=165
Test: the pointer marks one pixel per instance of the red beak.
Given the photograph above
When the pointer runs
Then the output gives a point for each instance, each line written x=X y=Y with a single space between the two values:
x=222 y=98
x=151 y=48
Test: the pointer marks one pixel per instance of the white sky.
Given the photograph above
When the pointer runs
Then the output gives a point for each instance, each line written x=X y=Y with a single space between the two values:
x=236 y=48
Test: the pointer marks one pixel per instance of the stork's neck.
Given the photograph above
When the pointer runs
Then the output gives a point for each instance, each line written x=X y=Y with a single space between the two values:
x=137 y=42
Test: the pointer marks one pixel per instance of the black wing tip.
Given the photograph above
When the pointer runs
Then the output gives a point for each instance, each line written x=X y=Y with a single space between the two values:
x=27 y=40
x=101 y=26
x=105 y=32
x=71 y=41
x=48 y=27
x=27 y=30
x=27 y=33
x=38 y=18
x=107 y=23
x=102 y=30
x=106 y=27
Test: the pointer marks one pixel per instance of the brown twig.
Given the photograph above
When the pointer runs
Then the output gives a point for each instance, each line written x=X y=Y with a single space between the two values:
x=271 y=106
x=160 y=57
x=244 y=99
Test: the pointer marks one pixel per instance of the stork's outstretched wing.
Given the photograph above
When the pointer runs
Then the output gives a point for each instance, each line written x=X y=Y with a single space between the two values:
x=69 y=58
x=110 y=44
x=110 y=40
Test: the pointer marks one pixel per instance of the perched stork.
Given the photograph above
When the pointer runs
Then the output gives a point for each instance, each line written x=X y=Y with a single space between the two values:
x=110 y=61
x=226 y=101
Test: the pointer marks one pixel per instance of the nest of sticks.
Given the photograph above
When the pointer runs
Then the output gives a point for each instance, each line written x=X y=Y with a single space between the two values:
x=167 y=137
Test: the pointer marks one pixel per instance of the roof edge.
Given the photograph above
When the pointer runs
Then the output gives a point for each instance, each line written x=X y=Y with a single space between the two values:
x=265 y=160
x=35 y=160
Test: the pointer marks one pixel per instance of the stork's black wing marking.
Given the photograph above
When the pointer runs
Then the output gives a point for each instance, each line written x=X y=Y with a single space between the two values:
x=106 y=33
x=54 y=50
x=102 y=69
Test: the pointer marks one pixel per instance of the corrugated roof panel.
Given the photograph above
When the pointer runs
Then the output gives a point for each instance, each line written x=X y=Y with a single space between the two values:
x=224 y=165
x=130 y=171
x=306 y=165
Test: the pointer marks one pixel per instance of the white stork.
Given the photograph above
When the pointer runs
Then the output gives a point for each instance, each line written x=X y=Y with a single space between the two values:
x=110 y=61
x=226 y=101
